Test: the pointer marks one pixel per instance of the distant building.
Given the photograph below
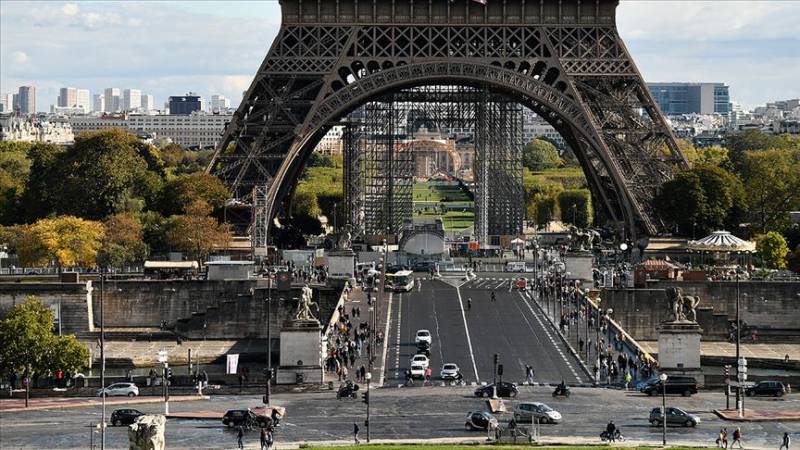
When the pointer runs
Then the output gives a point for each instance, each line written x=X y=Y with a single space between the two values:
x=331 y=143
x=147 y=103
x=113 y=100
x=219 y=103
x=6 y=102
x=84 y=100
x=533 y=126
x=198 y=130
x=131 y=100
x=33 y=129
x=26 y=100
x=98 y=103
x=691 y=98
x=185 y=104
x=67 y=97
x=82 y=124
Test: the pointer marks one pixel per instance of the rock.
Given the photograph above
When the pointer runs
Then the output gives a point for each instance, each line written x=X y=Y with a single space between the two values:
x=147 y=433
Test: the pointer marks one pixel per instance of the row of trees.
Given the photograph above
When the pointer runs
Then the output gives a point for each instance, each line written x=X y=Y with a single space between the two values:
x=109 y=199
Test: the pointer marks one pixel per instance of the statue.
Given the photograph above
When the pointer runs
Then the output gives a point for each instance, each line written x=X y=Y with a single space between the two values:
x=305 y=304
x=345 y=237
x=147 y=433
x=682 y=307
x=583 y=240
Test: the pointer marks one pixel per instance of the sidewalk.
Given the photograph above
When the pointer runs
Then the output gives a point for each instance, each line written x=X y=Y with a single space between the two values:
x=748 y=350
x=34 y=404
x=758 y=415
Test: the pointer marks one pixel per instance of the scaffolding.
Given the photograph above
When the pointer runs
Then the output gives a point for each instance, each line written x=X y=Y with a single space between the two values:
x=260 y=225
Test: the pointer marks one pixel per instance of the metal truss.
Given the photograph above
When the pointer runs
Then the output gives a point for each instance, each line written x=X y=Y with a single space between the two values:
x=352 y=150
x=562 y=58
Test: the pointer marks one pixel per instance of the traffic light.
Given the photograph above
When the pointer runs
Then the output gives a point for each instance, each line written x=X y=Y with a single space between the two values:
x=268 y=373
x=496 y=358
x=727 y=370
x=500 y=370
x=365 y=397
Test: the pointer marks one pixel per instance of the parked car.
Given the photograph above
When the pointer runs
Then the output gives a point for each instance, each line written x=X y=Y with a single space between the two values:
x=480 y=420
x=528 y=411
x=685 y=386
x=236 y=417
x=423 y=336
x=449 y=371
x=421 y=360
x=774 y=388
x=124 y=416
x=417 y=371
x=504 y=389
x=119 y=389
x=675 y=416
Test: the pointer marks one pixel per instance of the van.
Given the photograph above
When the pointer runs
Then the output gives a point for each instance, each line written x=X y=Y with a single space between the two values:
x=514 y=266
x=685 y=386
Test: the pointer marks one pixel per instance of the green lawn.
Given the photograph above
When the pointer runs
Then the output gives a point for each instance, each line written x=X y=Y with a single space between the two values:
x=432 y=193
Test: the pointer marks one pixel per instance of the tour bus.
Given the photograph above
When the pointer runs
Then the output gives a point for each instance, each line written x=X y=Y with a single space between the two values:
x=402 y=281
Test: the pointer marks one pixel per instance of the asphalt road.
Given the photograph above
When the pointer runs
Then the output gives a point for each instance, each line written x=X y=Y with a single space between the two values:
x=402 y=413
x=512 y=326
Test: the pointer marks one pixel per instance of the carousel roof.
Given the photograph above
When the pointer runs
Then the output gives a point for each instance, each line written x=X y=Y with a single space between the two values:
x=721 y=241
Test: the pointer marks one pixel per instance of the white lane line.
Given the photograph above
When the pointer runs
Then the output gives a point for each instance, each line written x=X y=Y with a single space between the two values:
x=386 y=339
x=397 y=345
x=499 y=285
x=466 y=329
x=552 y=339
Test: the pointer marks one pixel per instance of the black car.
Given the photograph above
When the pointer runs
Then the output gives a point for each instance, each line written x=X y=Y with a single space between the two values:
x=124 y=416
x=773 y=388
x=504 y=389
x=244 y=417
x=685 y=386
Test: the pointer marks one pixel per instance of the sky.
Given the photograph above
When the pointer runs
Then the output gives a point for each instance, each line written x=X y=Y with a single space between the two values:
x=215 y=47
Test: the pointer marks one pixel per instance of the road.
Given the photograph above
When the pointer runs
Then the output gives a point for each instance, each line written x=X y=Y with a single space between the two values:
x=402 y=413
x=512 y=326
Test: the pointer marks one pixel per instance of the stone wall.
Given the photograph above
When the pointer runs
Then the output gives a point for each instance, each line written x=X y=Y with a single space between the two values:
x=768 y=306
x=72 y=298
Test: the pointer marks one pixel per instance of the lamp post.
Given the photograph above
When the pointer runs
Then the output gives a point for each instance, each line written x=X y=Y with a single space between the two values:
x=268 y=375
x=663 y=378
x=739 y=374
x=369 y=382
x=102 y=359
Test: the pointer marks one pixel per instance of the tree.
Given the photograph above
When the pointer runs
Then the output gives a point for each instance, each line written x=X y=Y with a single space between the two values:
x=27 y=342
x=196 y=233
x=540 y=155
x=39 y=194
x=772 y=182
x=14 y=169
x=772 y=249
x=183 y=190
x=123 y=243
x=306 y=211
x=576 y=207
x=546 y=210
x=65 y=241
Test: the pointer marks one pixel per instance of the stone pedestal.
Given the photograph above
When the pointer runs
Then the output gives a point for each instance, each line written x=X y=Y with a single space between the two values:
x=341 y=264
x=147 y=433
x=301 y=352
x=679 y=349
x=579 y=266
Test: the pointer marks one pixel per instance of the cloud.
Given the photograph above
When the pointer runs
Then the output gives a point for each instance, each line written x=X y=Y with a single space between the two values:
x=70 y=9
x=19 y=57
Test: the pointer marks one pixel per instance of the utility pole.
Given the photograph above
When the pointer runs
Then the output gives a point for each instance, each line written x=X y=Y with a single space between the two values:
x=268 y=375
x=738 y=340
x=102 y=358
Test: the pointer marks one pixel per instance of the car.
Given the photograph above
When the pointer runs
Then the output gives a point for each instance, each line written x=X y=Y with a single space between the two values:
x=504 y=389
x=423 y=336
x=685 y=386
x=417 y=371
x=449 y=371
x=528 y=411
x=124 y=416
x=236 y=417
x=423 y=266
x=675 y=416
x=774 y=388
x=480 y=420
x=421 y=360
x=423 y=348
x=119 y=389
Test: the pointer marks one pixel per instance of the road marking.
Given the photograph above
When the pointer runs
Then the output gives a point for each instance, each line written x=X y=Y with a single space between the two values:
x=397 y=346
x=466 y=328
x=549 y=336
x=386 y=339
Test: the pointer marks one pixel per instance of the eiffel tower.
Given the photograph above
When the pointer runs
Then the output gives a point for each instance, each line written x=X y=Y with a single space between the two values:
x=564 y=59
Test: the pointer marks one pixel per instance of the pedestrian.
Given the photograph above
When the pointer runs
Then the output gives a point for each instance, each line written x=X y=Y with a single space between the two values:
x=719 y=438
x=469 y=303
x=529 y=374
x=725 y=437
x=240 y=437
x=628 y=379
x=737 y=437
x=786 y=442
x=355 y=433
x=264 y=439
x=580 y=345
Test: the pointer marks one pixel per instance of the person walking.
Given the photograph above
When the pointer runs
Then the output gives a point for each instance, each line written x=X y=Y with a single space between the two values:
x=355 y=433
x=786 y=442
x=528 y=374
x=264 y=439
x=628 y=379
x=469 y=303
x=240 y=437
x=724 y=437
x=737 y=437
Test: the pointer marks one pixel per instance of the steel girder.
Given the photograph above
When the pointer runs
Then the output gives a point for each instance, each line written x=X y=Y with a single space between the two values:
x=562 y=58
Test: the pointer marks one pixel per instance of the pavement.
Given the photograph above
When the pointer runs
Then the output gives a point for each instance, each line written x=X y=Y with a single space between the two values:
x=35 y=404
x=759 y=415
x=748 y=350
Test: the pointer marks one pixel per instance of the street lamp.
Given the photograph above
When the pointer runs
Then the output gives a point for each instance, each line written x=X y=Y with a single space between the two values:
x=268 y=375
x=369 y=382
x=663 y=378
x=102 y=358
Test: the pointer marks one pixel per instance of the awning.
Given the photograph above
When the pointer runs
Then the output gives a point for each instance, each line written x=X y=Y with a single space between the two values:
x=722 y=241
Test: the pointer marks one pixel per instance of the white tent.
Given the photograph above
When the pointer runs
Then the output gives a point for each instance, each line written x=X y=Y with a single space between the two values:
x=722 y=241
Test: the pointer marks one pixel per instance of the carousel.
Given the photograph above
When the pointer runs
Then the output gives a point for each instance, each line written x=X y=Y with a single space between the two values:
x=721 y=252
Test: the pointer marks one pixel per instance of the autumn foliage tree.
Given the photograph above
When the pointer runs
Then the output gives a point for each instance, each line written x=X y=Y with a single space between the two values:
x=65 y=241
x=123 y=244
x=196 y=232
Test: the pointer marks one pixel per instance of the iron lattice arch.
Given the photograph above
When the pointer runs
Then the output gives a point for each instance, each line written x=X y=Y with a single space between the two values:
x=562 y=58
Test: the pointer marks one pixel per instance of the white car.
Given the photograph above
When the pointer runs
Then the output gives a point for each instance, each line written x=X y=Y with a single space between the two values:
x=423 y=336
x=449 y=371
x=119 y=389
x=417 y=371
x=421 y=360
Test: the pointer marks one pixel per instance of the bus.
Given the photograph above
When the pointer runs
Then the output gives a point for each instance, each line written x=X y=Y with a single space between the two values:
x=402 y=281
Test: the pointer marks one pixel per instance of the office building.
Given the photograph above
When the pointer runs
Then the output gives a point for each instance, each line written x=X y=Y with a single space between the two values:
x=6 y=102
x=26 y=100
x=185 y=104
x=84 y=100
x=98 y=103
x=67 y=97
x=219 y=103
x=147 y=103
x=113 y=100
x=691 y=98
x=131 y=99
x=82 y=124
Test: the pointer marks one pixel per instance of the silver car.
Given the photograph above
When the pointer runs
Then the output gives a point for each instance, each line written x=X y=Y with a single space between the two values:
x=528 y=411
x=119 y=389
x=449 y=371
